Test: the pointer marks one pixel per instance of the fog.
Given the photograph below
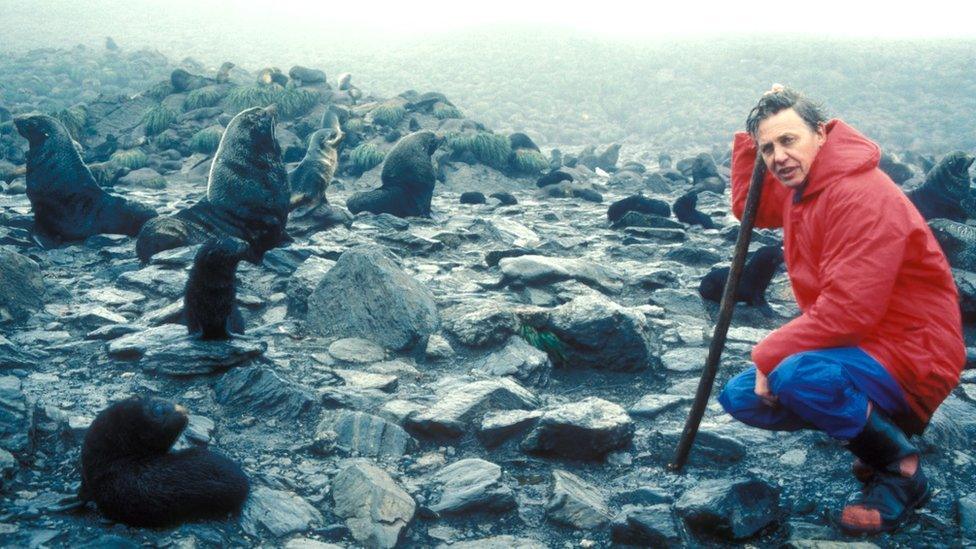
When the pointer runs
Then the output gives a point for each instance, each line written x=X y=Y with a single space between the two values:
x=573 y=73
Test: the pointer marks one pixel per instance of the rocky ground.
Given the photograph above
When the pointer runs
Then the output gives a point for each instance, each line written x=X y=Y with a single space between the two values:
x=494 y=376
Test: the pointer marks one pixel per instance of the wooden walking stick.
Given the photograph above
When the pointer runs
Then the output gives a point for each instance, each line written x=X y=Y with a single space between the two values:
x=724 y=318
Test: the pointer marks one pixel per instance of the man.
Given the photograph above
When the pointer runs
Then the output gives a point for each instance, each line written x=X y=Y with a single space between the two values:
x=878 y=345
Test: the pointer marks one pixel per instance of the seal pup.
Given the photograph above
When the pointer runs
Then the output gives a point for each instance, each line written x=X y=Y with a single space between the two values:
x=473 y=197
x=67 y=202
x=504 y=199
x=309 y=181
x=130 y=474
x=408 y=178
x=947 y=191
x=211 y=290
x=553 y=177
x=247 y=194
x=223 y=73
x=684 y=210
x=757 y=273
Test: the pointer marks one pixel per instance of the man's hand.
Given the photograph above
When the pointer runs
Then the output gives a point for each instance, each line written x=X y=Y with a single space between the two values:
x=762 y=389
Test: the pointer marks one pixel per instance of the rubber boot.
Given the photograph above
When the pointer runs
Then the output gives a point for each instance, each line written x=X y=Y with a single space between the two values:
x=894 y=491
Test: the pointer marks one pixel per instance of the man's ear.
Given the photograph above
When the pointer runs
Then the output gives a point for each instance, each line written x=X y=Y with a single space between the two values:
x=821 y=132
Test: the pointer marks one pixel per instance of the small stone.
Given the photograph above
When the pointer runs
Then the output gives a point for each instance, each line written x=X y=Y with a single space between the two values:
x=278 y=513
x=438 y=348
x=731 y=509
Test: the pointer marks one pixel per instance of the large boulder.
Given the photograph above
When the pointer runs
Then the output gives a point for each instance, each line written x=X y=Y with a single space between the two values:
x=460 y=404
x=22 y=290
x=375 y=507
x=367 y=295
x=587 y=429
x=598 y=333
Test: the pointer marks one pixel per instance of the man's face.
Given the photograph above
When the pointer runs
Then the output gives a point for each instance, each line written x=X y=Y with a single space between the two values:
x=788 y=146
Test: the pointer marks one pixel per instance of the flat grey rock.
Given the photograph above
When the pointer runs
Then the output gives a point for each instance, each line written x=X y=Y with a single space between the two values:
x=259 y=391
x=470 y=486
x=650 y=406
x=277 y=513
x=588 y=429
x=366 y=435
x=16 y=419
x=357 y=350
x=530 y=366
x=458 y=406
x=22 y=291
x=538 y=270
x=731 y=509
x=576 y=503
x=652 y=526
x=480 y=323
x=168 y=349
x=376 y=509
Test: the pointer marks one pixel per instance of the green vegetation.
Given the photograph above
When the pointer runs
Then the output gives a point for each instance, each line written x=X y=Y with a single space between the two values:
x=158 y=119
x=489 y=148
x=291 y=102
x=528 y=161
x=203 y=97
x=159 y=91
x=132 y=159
x=365 y=157
x=354 y=125
x=206 y=140
x=389 y=114
x=444 y=111
x=73 y=119
x=546 y=342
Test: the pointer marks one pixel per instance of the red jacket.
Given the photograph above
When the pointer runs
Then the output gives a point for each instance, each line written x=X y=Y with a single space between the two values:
x=864 y=266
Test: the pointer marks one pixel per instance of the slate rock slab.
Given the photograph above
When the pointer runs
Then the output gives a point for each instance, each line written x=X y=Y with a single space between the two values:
x=459 y=405
x=651 y=526
x=16 y=419
x=365 y=294
x=518 y=359
x=471 y=485
x=588 y=429
x=376 y=509
x=576 y=503
x=366 y=435
x=168 y=349
x=22 y=291
x=730 y=509
x=259 y=391
x=278 y=513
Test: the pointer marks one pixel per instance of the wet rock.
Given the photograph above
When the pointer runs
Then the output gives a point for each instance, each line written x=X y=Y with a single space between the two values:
x=366 y=295
x=353 y=349
x=16 y=419
x=366 y=435
x=480 y=323
x=98 y=316
x=599 y=333
x=587 y=429
x=685 y=359
x=538 y=270
x=966 y=283
x=306 y=75
x=13 y=356
x=303 y=282
x=576 y=503
x=438 y=348
x=22 y=291
x=376 y=509
x=520 y=360
x=143 y=178
x=461 y=404
x=497 y=427
x=169 y=350
x=470 y=486
x=652 y=526
x=278 y=513
x=730 y=509
x=367 y=380
x=711 y=448
x=497 y=542
x=958 y=241
x=967 y=517
x=638 y=219
x=650 y=406
x=261 y=392
x=155 y=280
x=306 y=543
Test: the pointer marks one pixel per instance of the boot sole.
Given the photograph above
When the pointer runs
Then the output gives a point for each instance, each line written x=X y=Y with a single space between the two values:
x=894 y=524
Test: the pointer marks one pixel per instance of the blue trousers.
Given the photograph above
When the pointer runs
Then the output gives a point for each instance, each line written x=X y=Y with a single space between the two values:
x=827 y=389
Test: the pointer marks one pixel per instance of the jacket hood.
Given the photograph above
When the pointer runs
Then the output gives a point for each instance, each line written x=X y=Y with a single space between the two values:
x=845 y=152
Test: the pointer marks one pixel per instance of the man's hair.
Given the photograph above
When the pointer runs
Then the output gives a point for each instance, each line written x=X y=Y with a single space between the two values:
x=774 y=102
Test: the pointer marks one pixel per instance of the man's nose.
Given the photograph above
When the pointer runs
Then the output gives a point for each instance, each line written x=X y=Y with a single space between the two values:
x=779 y=154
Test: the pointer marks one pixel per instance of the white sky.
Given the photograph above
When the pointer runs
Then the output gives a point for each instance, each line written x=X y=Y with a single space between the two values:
x=625 y=19
x=889 y=18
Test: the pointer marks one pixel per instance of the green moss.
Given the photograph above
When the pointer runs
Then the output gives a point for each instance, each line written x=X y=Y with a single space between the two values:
x=365 y=157
x=389 y=114
x=443 y=111
x=158 y=119
x=546 y=342
x=528 y=161
x=132 y=159
x=291 y=102
x=159 y=91
x=203 y=97
x=490 y=149
x=73 y=119
x=206 y=140
x=354 y=125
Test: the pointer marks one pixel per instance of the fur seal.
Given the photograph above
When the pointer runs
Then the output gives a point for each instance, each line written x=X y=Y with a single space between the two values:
x=184 y=81
x=408 y=179
x=519 y=140
x=309 y=181
x=67 y=202
x=223 y=73
x=757 y=273
x=473 y=197
x=947 y=189
x=272 y=75
x=211 y=290
x=684 y=210
x=553 y=177
x=506 y=199
x=247 y=194
x=637 y=203
x=130 y=474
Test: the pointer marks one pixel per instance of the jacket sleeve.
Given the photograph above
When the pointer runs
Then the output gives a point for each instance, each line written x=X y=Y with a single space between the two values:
x=770 y=213
x=864 y=240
